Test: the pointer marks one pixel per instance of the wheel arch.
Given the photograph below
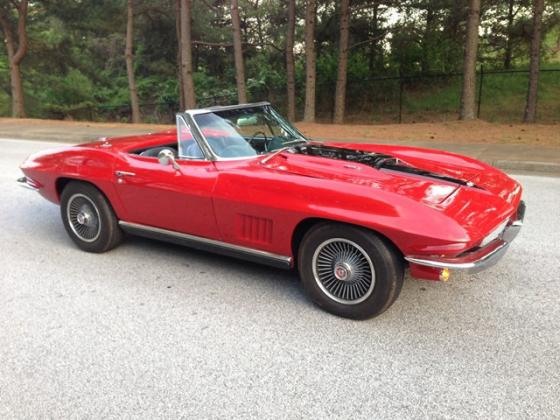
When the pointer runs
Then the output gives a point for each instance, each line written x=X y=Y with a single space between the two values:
x=63 y=181
x=307 y=224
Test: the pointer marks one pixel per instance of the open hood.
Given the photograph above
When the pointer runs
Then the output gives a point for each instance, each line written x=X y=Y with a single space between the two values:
x=376 y=170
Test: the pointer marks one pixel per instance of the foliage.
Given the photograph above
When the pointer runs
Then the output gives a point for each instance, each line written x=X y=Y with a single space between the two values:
x=75 y=67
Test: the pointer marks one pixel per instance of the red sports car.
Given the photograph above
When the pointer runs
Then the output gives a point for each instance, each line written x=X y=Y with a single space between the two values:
x=241 y=181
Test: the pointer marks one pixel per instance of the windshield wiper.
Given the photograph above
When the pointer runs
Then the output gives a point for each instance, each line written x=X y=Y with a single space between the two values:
x=276 y=152
x=294 y=142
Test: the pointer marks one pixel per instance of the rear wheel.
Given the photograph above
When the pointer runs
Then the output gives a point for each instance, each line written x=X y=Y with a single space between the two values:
x=88 y=218
x=349 y=271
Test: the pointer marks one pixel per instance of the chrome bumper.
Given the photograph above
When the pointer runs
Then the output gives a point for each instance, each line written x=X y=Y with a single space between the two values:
x=25 y=183
x=480 y=259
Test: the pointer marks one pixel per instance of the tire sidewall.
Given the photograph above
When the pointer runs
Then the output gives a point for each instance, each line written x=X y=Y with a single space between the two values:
x=109 y=223
x=388 y=272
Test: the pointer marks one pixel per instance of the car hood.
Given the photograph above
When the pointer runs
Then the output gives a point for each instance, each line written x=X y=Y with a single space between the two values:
x=398 y=168
x=470 y=191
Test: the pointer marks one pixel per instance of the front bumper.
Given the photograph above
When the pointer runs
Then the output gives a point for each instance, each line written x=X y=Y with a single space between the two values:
x=28 y=183
x=479 y=259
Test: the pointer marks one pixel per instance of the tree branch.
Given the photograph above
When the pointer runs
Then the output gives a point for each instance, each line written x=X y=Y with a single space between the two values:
x=210 y=6
x=22 y=33
x=367 y=41
x=10 y=45
x=213 y=44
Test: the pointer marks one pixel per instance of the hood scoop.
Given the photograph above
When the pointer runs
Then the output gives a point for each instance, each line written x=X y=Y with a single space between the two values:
x=375 y=160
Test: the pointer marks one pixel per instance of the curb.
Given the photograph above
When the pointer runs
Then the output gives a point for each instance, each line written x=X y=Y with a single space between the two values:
x=528 y=166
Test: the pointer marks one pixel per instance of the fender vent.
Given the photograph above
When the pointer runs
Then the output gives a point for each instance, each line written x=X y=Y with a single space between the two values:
x=254 y=229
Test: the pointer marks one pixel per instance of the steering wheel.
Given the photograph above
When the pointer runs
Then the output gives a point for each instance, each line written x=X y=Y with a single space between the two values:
x=265 y=138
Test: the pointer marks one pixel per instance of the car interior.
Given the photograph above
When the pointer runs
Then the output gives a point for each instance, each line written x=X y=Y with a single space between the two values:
x=154 y=151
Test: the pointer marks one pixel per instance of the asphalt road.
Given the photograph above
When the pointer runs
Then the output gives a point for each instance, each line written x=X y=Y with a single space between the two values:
x=154 y=330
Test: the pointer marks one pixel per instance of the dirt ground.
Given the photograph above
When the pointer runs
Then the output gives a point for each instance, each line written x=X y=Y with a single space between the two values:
x=79 y=124
x=445 y=132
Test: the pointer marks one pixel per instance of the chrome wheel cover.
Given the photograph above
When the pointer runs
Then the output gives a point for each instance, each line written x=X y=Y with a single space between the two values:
x=344 y=271
x=83 y=217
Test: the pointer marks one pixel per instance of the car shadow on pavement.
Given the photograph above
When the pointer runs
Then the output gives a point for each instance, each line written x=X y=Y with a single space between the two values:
x=193 y=259
x=418 y=299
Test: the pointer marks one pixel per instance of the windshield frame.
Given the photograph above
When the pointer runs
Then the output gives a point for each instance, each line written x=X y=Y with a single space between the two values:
x=189 y=117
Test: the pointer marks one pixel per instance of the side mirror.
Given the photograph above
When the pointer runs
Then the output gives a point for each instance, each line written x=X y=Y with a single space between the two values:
x=167 y=157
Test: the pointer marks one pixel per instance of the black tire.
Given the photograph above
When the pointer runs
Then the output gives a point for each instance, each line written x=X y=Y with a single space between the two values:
x=89 y=218
x=344 y=257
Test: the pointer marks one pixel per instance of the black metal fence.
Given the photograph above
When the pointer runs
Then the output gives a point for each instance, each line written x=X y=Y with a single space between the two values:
x=501 y=96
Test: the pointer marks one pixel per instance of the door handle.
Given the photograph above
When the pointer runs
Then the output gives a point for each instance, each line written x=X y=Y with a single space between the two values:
x=124 y=173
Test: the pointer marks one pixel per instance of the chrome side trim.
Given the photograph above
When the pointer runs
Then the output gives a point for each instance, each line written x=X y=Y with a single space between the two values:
x=205 y=244
x=124 y=173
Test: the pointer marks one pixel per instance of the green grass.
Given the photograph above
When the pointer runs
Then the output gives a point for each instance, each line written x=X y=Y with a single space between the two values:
x=503 y=98
x=4 y=104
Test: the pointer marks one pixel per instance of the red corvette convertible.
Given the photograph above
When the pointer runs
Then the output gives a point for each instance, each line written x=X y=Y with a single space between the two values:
x=241 y=181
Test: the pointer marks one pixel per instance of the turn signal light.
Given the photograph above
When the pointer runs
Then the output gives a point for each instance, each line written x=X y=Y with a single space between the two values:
x=444 y=274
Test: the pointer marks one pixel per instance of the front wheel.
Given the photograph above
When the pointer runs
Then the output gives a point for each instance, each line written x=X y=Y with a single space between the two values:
x=349 y=271
x=88 y=218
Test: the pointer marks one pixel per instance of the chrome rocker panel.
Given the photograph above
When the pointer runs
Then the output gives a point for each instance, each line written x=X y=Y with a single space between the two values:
x=481 y=259
x=211 y=245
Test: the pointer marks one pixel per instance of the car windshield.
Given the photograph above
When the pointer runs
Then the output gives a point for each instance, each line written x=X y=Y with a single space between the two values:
x=246 y=132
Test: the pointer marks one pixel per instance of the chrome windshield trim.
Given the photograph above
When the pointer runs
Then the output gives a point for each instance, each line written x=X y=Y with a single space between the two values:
x=207 y=110
x=197 y=135
x=212 y=245
x=203 y=142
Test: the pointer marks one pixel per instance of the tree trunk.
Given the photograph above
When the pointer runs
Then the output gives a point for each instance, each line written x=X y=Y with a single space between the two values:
x=129 y=57
x=18 y=106
x=290 y=63
x=340 y=95
x=534 y=67
x=16 y=55
x=259 y=26
x=310 y=61
x=428 y=39
x=238 y=53
x=186 y=55
x=374 y=44
x=179 y=46
x=509 y=26
x=454 y=19
x=468 y=98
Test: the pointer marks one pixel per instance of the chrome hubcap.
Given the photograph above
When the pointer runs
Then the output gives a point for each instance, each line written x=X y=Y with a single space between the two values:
x=83 y=217
x=343 y=271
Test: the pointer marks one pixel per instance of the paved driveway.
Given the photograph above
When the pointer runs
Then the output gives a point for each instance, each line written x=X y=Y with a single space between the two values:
x=155 y=330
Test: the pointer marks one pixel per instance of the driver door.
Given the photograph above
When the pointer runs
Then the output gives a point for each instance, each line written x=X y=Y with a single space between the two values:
x=177 y=199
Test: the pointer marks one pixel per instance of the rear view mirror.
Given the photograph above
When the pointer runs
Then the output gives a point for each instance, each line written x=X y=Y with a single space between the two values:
x=245 y=121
